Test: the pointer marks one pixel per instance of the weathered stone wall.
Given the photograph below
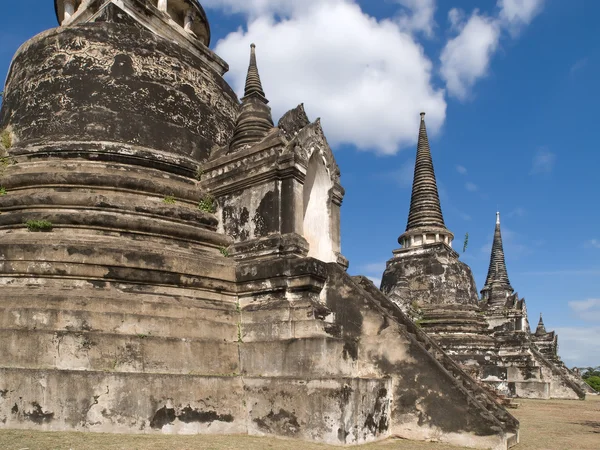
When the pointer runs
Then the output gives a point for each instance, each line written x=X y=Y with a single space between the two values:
x=106 y=82
x=429 y=275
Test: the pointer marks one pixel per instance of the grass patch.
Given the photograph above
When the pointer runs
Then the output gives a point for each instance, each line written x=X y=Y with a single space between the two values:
x=2 y=190
x=208 y=204
x=38 y=225
x=169 y=200
x=224 y=252
x=6 y=139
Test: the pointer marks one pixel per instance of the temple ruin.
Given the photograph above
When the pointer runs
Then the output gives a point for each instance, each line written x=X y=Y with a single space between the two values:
x=162 y=271
x=488 y=337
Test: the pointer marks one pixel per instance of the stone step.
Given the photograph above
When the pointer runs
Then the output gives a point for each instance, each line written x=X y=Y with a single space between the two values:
x=34 y=349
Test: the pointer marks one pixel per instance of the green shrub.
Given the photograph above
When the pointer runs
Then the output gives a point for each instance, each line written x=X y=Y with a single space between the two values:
x=224 y=252
x=594 y=382
x=38 y=225
x=2 y=190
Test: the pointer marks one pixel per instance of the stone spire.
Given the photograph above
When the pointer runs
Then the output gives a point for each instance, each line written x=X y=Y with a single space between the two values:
x=254 y=121
x=541 y=328
x=497 y=277
x=425 y=219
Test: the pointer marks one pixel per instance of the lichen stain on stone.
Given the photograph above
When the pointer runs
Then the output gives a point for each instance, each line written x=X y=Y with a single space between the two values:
x=282 y=422
x=265 y=219
x=37 y=415
x=350 y=350
x=122 y=67
x=189 y=415
x=165 y=416
x=374 y=425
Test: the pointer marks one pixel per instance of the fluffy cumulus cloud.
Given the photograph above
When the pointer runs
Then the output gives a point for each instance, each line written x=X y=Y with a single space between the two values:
x=417 y=16
x=466 y=57
x=367 y=79
x=516 y=13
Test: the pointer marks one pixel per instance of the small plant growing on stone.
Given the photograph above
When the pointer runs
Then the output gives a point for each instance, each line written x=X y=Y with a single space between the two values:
x=240 y=339
x=6 y=139
x=142 y=336
x=38 y=225
x=169 y=200
x=225 y=252
x=208 y=204
x=199 y=173
x=2 y=190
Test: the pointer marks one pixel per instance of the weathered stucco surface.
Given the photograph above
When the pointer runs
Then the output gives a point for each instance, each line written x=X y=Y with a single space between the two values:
x=152 y=280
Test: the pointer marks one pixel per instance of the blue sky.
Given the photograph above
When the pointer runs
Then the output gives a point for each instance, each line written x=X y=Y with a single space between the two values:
x=511 y=93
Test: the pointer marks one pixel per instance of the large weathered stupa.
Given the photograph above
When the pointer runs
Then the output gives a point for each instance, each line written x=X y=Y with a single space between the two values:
x=170 y=260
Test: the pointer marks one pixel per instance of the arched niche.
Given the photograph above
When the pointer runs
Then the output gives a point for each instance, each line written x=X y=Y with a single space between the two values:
x=317 y=222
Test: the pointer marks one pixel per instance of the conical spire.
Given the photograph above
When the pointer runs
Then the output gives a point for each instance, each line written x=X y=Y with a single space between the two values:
x=425 y=209
x=254 y=121
x=253 y=84
x=425 y=221
x=541 y=328
x=497 y=277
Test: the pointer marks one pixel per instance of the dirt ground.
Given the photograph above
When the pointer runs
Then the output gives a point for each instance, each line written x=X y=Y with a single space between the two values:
x=545 y=425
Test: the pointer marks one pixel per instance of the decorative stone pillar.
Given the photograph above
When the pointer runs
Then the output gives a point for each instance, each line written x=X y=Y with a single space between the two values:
x=188 y=21
x=69 y=9
x=162 y=5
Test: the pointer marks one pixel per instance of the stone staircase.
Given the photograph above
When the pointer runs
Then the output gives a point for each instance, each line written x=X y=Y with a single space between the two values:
x=482 y=395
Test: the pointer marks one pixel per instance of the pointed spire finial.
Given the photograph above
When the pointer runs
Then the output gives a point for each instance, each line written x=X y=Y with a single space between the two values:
x=541 y=328
x=254 y=121
x=425 y=215
x=497 y=277
x=425 y=209
x=253 y=83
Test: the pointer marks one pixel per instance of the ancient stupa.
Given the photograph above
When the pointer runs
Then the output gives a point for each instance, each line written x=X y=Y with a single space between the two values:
x=488 y=338
x=170 y=259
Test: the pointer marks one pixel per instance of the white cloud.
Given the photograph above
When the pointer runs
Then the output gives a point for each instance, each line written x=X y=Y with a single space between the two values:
x=579 y=347
x=516 y=13
x=588 y=310
x=466 y=57
x=461 y=169
x=471 y=187
x=543 y=162
x=420 y=17
x=367 y=79
x=456 y=17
